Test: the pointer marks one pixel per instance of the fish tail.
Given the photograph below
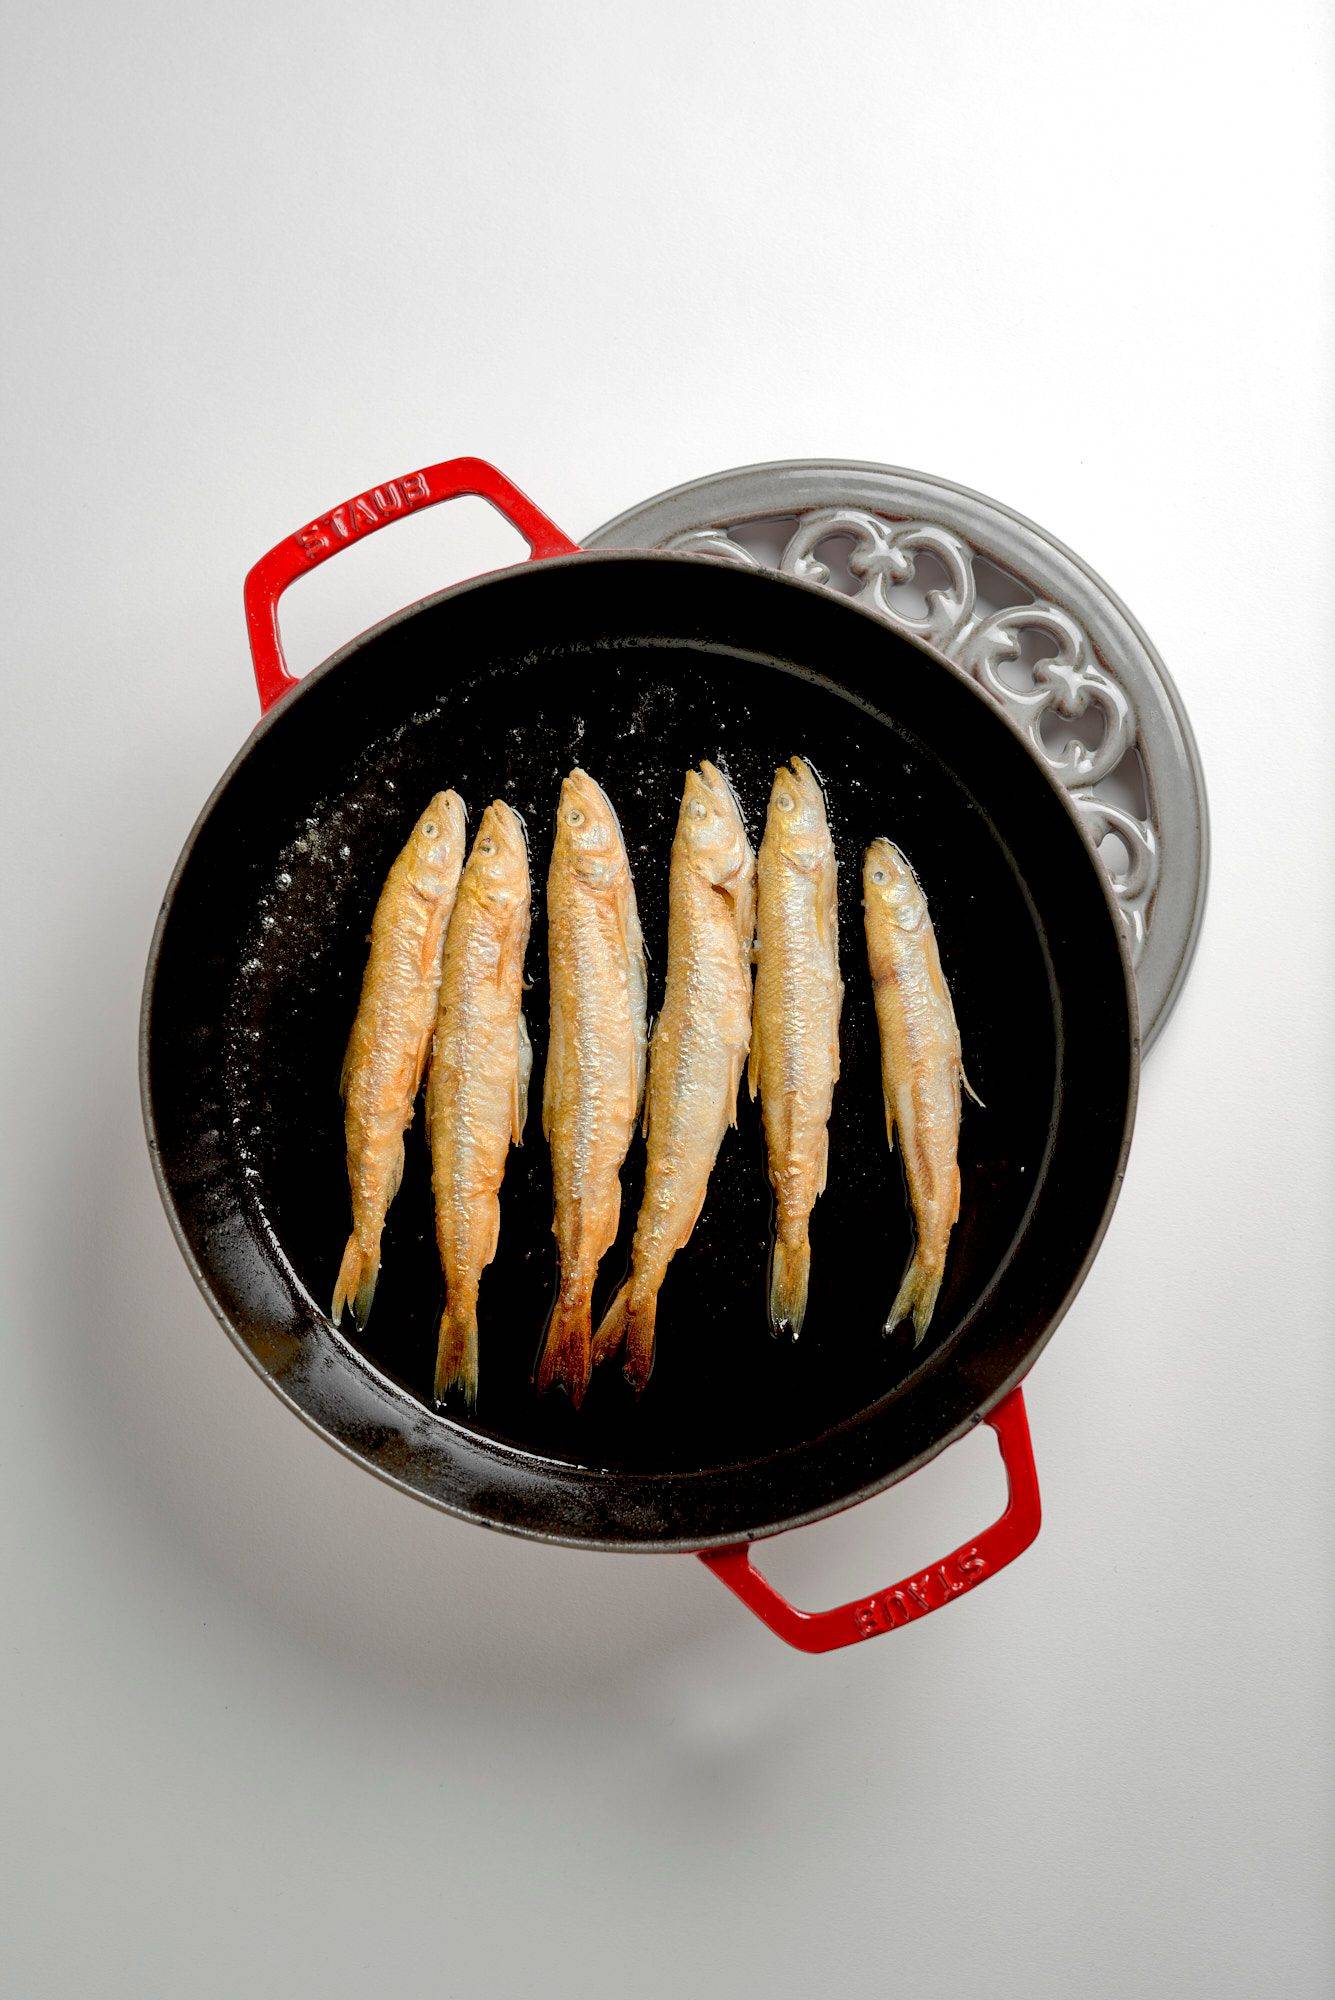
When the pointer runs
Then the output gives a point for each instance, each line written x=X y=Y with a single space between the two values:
x=456 y=1352
x=640 y=1322
x=356 y=1283
x=917 y=1295
x=566 y=1357
x=789 y=1275
x=629 y=1324
x=611 y=1335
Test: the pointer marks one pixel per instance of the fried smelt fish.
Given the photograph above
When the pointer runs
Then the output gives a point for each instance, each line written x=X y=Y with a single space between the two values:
x=921 y=1067
x=698 y=1049
x=391 y=1035
x=795 y=1022
x=594 y=1081
x=477 y=1089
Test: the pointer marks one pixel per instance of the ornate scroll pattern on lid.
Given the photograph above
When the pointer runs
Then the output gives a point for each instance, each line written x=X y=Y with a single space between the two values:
x=1045 y=639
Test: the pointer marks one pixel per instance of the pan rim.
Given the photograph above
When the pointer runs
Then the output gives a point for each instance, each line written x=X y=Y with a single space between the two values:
x=479 y=1442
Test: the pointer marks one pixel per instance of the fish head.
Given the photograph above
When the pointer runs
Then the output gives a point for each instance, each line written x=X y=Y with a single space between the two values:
x=796 y=821
x=710 y=826
x=588 y=833
x=499 y=860
x=437 y=843
x=892 y=896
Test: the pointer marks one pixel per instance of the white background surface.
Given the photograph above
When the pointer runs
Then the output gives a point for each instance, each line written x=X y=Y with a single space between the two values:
x=274 y=1730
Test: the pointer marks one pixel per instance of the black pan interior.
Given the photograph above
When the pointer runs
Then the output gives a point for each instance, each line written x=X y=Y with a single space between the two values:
x=637 y=667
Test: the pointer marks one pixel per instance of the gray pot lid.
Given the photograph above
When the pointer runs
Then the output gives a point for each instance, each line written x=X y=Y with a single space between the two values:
x=1008 y=604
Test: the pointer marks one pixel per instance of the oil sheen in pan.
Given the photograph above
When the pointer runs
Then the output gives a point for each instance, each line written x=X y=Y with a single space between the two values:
x=723 y=1389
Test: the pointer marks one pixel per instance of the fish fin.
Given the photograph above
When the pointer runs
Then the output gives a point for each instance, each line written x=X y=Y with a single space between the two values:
x=970 y=1089
x=629 y=1325
x=433 y=1079
x=551 y=1075
x=456 y=1353
x=917 y=1295
x=738 y=1072
x=523 y=1071
x=824 y=1162
x=745 y=896
x=640 y=1342
x=789 y=1275
x=753 y=1060
x=567 y=1358
x=647 y=1118
x=611 y=1335
x=635 y=1085
x=684 y=1235
x=889 y=1125
x=637 y=979
x=356 y=1283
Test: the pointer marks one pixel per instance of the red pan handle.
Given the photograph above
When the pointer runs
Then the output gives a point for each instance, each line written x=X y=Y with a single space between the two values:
x=369 y=511
x=929 y=1589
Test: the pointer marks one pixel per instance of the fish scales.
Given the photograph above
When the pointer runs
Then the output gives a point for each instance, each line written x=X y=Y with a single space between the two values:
x=477 y=1089
x=697 y=1053
x=922 y=1072
x=795 y=1033
x=594 y=1081
x=387 y=1049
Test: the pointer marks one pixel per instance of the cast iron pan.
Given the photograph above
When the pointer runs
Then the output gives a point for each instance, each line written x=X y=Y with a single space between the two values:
x=635 y=666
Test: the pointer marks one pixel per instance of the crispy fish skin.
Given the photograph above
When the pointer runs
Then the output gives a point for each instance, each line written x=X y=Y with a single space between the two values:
x=697 y=1053
x=921 y=1067
x=477 y=1088
x=391 y=1035
x=795 y=1022
x=594 y=1080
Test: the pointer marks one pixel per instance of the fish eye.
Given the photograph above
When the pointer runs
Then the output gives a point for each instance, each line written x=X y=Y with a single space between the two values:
x=878 y=874
x=784 y=802
x=695 y=809
x=487 y=846
x=430 y=829
x=575 y=817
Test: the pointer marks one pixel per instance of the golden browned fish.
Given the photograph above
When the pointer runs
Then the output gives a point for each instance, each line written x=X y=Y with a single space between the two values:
x=477 y=1089
x=795 y=1022
x=391 y=1035
x=594 y=1080
x=921 y=1067
x=698 y=1049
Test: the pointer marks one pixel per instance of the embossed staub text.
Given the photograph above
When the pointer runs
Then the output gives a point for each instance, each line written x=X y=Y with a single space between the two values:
x=357 y=517
x=927 y=1591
